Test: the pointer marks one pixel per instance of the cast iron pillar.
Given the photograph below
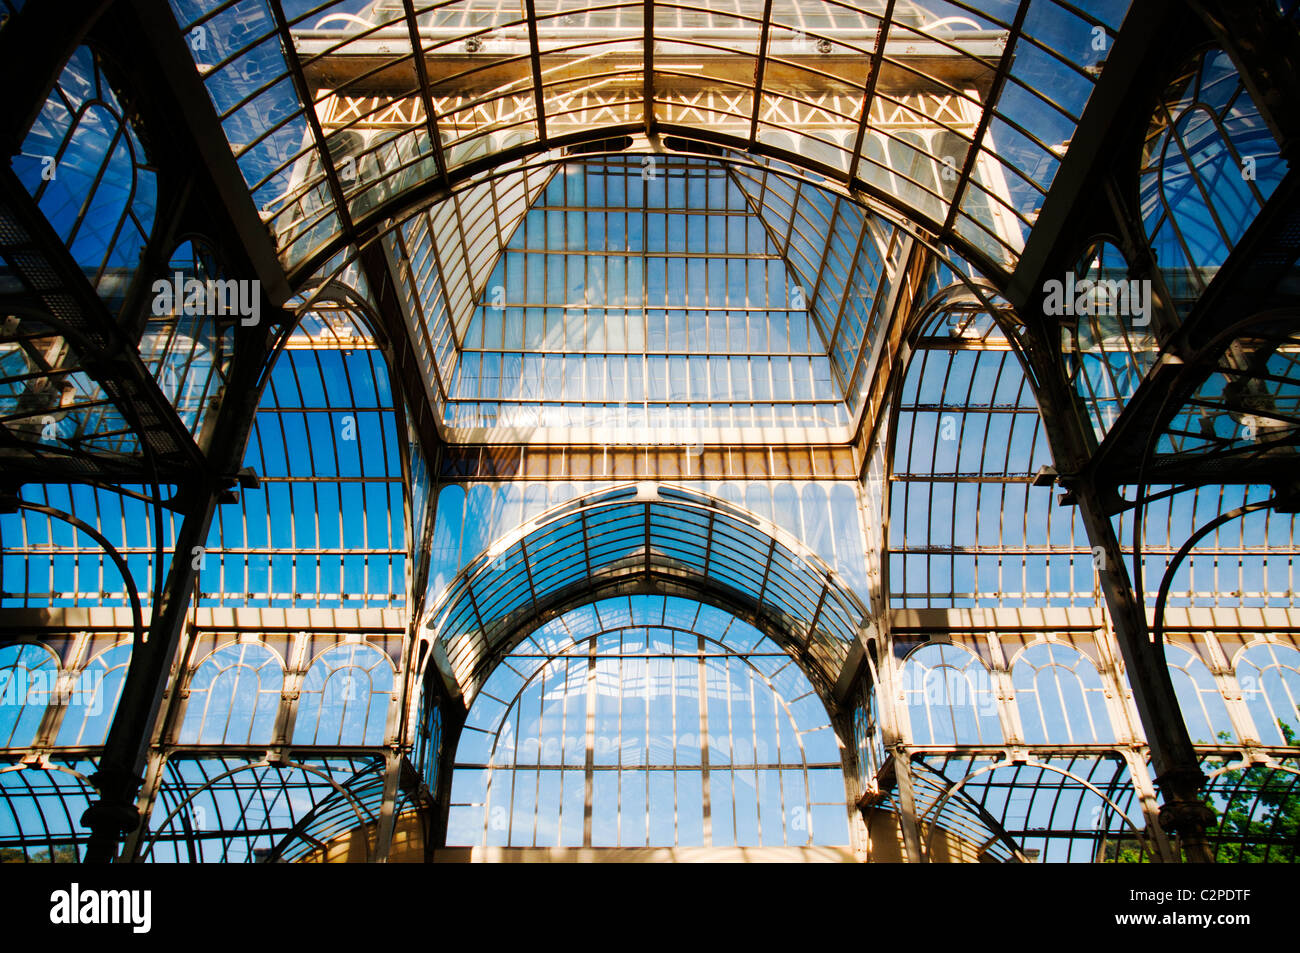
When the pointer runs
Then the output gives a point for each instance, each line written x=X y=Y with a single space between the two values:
x=121 y=769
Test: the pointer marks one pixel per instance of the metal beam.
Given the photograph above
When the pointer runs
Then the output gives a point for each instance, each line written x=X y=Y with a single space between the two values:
x=57 y=283
x=1177 y=767
x=1118 y=105
x=173 y=66
x=121 y=767
x=1248 y=283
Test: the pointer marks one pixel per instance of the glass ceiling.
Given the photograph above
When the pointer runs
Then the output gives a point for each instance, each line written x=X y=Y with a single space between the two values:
x=623 y=539
x=543 y=258
x=949 y=114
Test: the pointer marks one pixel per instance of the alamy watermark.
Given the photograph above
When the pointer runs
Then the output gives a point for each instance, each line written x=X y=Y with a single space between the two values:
x=213 y=297
x=1103 y=297
x=944 y=687
x=44 y=686
x=85 y=905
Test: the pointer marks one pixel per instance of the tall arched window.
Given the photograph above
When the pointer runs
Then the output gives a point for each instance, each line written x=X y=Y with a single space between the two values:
x=648 y=721
x=94 y=697
x=950 y=699
x=1199 y=697
x=234 y=697
x=1060 y=696
x=85 y=167
x=345 y=698
x=27 y=674
x=1270 y=682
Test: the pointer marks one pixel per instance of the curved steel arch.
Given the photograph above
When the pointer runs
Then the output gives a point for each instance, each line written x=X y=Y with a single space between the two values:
x=998 y=835
x=357 y=807
x=451 y=97
x=1272 y=764
x=512 y=161
x=45 y=808
x=957 y=787
x=646 y=537
x=575 y=645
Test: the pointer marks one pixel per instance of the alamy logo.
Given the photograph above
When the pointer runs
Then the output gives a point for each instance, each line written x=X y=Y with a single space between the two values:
x=43 y=686
x=228 y=296
x=76 y=906
x=1104 y=297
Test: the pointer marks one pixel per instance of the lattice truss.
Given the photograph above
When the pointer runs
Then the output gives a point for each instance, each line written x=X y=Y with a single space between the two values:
x=652 y=443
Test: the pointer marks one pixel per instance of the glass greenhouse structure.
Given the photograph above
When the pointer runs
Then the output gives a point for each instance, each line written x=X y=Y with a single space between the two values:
x=503 y=430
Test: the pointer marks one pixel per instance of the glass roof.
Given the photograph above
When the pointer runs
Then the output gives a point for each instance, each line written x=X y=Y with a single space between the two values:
x=612 y=339
x=620 y=540
x=948 y=113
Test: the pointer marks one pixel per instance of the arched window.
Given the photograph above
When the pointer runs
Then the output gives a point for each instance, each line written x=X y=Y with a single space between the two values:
x=234 y=697
x=345 y=698
x=1060 y=696
x=27 y=675
x=1210 y=164
x=949 y=696
x=616 y=723
x=94 y=697
x=1199 y=697
x=85 y=167
x=1269 y=675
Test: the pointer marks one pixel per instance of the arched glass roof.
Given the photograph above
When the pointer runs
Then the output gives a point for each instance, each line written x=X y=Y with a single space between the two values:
x=735 y=315
x=950 y=113
x=645 y=537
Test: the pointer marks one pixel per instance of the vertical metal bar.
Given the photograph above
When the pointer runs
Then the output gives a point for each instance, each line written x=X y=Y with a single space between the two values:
x=535 y=62
x=589 y=783
x=648 y=74
x=877 y=60
x=706 y=799
x=986 y=115
x=760 y=67
x=120 y=770
x=388 y=807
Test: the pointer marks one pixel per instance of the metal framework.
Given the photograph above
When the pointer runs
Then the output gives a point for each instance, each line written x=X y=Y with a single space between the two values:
x=855 y=430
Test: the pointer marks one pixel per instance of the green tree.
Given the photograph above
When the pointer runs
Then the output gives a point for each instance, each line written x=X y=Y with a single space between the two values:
x=66 y=854
x=1261 y=820
x=1259 y=823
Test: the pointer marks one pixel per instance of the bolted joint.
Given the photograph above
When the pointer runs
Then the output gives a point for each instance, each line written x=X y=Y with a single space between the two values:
x=872 y=798
x=1183 y=811
x=114 y=814
x=1178 y=817
x=109 y=818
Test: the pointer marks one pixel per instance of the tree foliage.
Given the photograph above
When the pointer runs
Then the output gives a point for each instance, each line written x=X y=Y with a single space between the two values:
x=1259 y=815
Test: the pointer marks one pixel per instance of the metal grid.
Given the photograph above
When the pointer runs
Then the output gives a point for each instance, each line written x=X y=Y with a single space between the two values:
x=969 y=525
x=328 y=525
x=858 y=144
x=647 y=721
x=992 y=94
